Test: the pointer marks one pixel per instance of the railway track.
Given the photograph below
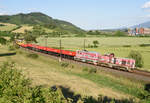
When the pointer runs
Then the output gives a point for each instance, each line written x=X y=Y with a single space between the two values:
x=141 y=72
x=138 y=75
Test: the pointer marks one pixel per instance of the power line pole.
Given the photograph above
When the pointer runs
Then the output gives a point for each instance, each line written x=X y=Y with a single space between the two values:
x=60 y=59
x=84 y=44
x=46 y=42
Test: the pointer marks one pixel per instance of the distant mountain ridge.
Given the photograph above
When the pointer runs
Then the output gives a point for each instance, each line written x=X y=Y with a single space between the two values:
x=38 y=18
x=144 y=25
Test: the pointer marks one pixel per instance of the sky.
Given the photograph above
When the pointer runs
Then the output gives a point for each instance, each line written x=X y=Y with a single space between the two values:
x=86 y=14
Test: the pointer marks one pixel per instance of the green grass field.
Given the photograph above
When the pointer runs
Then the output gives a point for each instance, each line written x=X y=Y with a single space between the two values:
x=106 y=45
x=47 y=71
x=23 y=28
x=7 y=27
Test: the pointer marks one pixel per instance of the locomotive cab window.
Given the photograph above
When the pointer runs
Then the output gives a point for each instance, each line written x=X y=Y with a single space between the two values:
x=128 y=62
x=124 y=62
x=115 y=60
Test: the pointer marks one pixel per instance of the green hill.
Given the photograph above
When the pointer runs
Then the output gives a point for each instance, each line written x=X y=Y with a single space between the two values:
x=37 y=18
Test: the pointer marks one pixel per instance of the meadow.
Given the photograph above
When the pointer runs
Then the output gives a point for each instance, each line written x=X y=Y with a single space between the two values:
x=23 y=28
x=49 y=72
x=7 y=27
x=121 y=46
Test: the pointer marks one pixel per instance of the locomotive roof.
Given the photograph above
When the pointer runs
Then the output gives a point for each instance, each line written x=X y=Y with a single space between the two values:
x=89 y=51
x=124 y=58
x=92 y=52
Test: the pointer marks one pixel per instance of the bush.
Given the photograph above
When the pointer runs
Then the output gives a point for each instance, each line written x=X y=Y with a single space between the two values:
x=145 y=93
x=72 y=66
x=33 y=56
x=144 y=45
x=137 y=57
x=89 y=70
x=64 y=65
x=6 y=33
x=126 y=45
x=2 y=25
x=105 y=99
x=80 y=35
x=11 y=48
x=93 y=70
x=85 y=69
x=120 y=34
x=3 y=41
x=90 y=46
x=95 y=43
x=15 y=88
x=30 y=38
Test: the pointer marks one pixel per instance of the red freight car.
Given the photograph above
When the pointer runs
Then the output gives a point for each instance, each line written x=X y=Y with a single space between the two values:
x=23 y=45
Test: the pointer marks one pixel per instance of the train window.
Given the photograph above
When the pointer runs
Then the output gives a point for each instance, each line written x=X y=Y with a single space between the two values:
x=87 y=55
x=115 y=60
x=128 y=62
x=133 y=63
x=102 y=59
x=124 y=62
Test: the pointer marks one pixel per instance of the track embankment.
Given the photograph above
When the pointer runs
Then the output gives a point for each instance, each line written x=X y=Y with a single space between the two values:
x=137 y=75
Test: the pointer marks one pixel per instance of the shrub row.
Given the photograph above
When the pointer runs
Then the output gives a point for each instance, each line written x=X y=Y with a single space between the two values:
x=32 y=55
x=89 y=70
x=126 y=45
x=144 y=45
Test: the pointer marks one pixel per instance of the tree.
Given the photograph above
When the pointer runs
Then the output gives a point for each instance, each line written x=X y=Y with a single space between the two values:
x=120 y=33
x=13 y=37
x=138 y=58
x=3 y=41
x=30 y=38
x=38 y=30
x=16 y=88
x=145 y=94
x=95 y=43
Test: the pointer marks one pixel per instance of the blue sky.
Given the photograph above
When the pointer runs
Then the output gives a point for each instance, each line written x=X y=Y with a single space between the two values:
x=87 y=14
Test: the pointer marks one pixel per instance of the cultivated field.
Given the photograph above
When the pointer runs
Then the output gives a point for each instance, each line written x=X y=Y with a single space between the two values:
x=48 y=30
x=23 y=28
x=7 y=27
x=121 y=46
x=47 y=71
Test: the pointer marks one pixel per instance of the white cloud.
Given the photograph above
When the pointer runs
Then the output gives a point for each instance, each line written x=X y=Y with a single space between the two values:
x=146 y=5
x=3 y=13
x=147 y=16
